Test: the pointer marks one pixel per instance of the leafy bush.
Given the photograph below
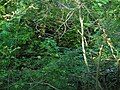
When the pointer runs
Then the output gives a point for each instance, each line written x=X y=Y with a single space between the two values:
x=43 y=47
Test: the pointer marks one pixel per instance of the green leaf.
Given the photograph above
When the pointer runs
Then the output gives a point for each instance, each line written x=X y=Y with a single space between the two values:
x=2 y=9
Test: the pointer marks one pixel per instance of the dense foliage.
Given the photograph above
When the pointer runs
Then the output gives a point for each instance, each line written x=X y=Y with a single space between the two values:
x=59 y=44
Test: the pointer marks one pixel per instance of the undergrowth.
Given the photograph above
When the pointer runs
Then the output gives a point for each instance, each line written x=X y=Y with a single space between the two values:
x=59 y=45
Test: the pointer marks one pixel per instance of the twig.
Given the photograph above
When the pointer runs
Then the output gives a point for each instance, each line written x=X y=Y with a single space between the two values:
x=108 y=40
x=82 y=34
x=71 y=13
x=86 y=43
x=63 y=6
x=50 y=86
x=98 y=68
x=7 y=2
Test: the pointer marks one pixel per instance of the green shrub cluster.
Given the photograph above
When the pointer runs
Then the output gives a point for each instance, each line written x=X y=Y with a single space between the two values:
x=41 y=45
